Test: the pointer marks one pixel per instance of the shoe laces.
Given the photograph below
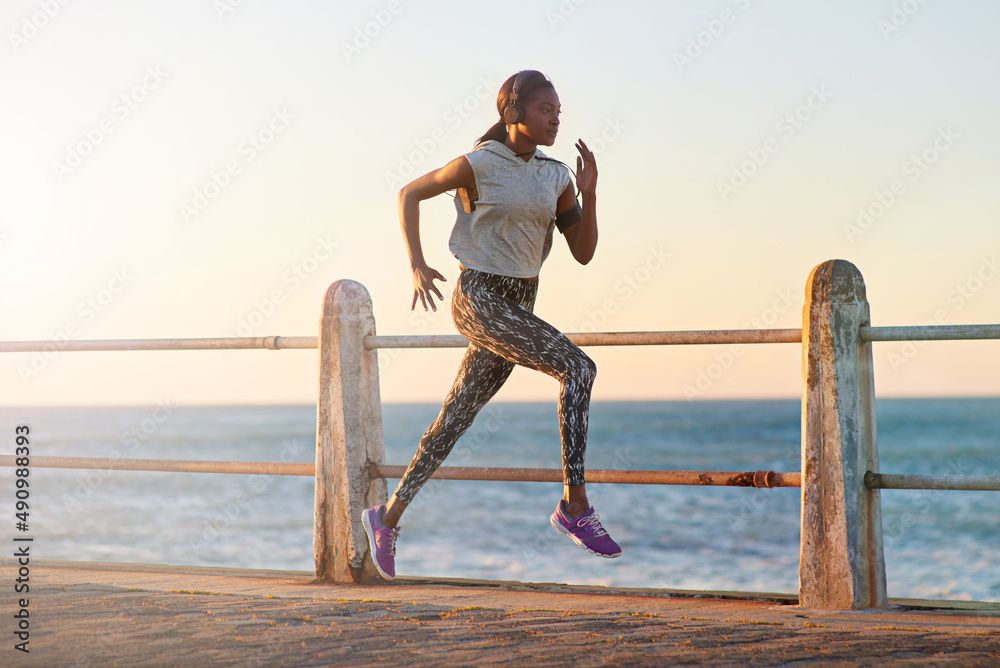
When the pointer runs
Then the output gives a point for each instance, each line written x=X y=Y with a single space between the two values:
x=592 y=522
x=393 y=534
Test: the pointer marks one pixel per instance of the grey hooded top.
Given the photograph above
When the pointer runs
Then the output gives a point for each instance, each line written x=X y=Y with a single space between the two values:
x=510 y=230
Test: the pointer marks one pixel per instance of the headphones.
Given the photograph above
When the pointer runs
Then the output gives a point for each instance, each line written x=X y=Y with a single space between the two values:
x=513 y=113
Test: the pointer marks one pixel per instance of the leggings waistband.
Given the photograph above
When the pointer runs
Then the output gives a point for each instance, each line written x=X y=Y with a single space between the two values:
x=533 y=279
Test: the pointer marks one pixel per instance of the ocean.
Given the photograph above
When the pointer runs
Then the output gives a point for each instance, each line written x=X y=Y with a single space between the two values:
x=938 y=544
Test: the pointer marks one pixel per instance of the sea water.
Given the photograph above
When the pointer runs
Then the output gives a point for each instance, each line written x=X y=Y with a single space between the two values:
x=938 y=544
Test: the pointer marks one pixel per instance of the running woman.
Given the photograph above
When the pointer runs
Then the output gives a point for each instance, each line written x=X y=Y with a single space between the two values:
x=510 y=198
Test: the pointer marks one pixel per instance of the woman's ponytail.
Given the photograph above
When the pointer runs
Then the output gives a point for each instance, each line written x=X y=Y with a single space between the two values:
x=497 y=133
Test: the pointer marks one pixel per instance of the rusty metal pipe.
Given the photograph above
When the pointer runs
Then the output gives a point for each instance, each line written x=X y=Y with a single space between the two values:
x=165 y=465
x=629 y=477
x=632 y=477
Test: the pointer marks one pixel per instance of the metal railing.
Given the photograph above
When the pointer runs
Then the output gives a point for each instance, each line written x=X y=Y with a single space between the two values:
x=233 y=343
x=841 y=563
x=372 y=342
x=930 y=333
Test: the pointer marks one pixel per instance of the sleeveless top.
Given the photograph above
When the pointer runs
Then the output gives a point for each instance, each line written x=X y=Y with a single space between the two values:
x=510 y=231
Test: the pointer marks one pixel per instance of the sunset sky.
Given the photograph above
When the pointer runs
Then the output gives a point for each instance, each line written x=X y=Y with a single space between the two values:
x=207 y=168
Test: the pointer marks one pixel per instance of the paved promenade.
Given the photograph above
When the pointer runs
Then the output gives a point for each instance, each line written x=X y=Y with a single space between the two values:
x=91 y=614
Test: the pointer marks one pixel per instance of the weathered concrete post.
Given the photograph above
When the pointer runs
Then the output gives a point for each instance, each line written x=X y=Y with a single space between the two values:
x=841 y=563
x=348 y=435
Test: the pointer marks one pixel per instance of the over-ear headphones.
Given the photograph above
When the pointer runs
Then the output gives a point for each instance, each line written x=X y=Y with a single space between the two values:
x=513 y=113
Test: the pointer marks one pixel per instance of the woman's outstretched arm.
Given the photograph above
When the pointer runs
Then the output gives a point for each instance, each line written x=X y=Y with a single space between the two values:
x=456 y=174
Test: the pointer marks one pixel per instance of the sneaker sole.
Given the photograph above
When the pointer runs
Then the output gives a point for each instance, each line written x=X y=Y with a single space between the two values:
x=563 y=530
x=371 y=544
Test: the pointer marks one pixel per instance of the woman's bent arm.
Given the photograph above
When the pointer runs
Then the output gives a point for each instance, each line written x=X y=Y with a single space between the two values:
x=582 y=237
x=456 y=174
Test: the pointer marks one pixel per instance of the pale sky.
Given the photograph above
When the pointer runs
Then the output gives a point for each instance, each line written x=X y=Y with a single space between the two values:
x=203 y=169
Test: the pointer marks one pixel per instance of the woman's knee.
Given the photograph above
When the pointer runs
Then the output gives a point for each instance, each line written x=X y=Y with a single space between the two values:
x=585 y=369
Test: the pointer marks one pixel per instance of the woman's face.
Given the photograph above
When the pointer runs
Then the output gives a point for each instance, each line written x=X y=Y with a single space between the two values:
x=541 y=118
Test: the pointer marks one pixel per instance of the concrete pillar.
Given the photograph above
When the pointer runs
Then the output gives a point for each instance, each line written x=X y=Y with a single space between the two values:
x=841 y=564
x=348 y=435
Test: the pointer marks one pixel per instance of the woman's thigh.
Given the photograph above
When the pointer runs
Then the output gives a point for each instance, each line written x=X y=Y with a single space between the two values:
x=509 y=329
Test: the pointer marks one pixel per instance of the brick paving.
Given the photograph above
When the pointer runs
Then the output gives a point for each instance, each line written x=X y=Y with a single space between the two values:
x=143 y=615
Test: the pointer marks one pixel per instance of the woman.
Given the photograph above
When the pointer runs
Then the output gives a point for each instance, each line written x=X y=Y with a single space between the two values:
x=511 y=198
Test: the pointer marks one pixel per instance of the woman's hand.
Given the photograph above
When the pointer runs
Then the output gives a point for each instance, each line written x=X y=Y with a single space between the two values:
x=586 y=169
x=423 y=286
x=582 y=237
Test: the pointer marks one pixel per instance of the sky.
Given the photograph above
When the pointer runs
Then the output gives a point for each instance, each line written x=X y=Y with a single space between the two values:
x=208 y=168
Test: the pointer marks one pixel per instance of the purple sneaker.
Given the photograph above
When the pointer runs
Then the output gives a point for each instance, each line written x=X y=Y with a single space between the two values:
x=382 y=540
x=586 y=531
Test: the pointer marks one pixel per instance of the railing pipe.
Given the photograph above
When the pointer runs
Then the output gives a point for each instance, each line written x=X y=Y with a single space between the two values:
x=164 y=465
x=620 y=476
x=913 y=481
x=225 y=343
x=930 y=333
x=373 y=342
x=696 y=337
x=629 y=477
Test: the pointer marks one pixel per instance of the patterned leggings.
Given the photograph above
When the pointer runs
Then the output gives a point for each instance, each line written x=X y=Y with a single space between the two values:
x=495 y=314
